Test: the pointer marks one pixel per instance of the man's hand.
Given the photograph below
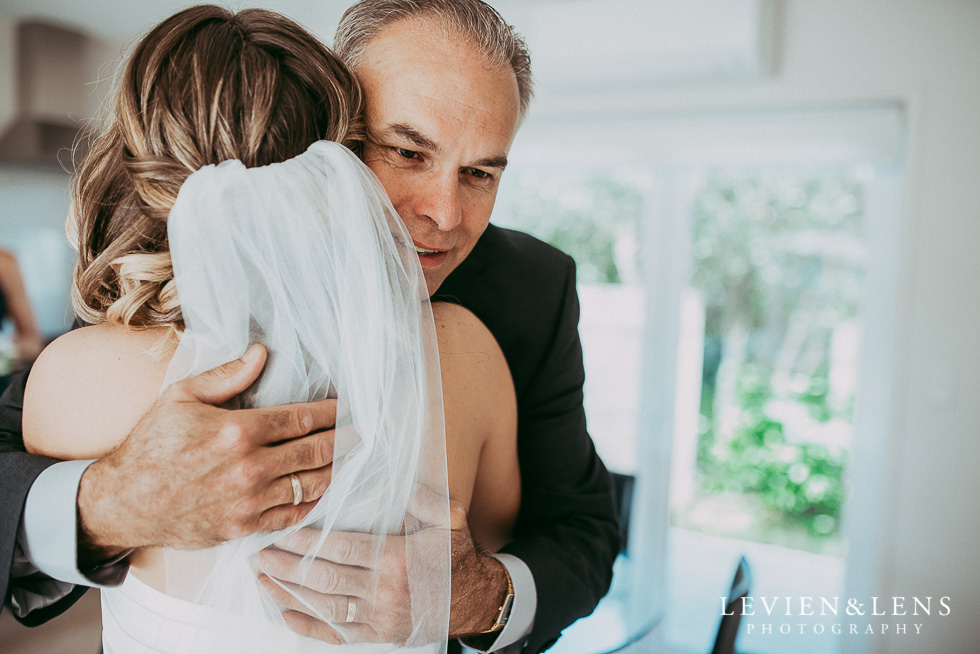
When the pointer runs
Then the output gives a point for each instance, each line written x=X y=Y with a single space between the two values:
x=342 y=572
x=191 y=475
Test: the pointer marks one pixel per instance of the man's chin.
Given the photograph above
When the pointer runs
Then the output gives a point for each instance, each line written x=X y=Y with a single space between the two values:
x=436 y=276
x=433 y=281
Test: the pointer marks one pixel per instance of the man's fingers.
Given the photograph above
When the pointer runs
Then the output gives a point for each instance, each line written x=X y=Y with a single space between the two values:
x=283 y=516
x=218 y=385
x=314 y=483
x=304 y=453
x=429 y=507
x=457 y=516
x=282 y=423
x=310 y=627
x=321 y=576
x=329 y=608
x=344 y=547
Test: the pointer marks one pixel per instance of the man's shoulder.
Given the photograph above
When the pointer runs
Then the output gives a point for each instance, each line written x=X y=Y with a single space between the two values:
x=517 y=270
x=511 y=272
x=510 y=248
x=520 y=288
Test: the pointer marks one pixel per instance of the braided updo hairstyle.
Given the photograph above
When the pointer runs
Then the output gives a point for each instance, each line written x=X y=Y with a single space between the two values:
x=204 y=86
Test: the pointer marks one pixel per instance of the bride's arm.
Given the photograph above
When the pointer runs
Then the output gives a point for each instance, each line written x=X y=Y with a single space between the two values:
x=481 y=425
x=89 y=388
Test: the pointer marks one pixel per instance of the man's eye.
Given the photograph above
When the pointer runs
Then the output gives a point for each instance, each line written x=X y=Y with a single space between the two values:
x=479 y=174
x=407 y=154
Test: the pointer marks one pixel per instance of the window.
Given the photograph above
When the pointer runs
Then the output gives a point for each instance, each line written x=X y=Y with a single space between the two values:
x=725 y=287
x=770 y=319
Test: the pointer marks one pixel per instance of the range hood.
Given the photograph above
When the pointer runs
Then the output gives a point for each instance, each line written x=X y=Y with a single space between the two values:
x=46 y=103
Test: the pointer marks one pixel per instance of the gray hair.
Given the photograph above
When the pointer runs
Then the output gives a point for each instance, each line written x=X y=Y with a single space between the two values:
x=474 y=19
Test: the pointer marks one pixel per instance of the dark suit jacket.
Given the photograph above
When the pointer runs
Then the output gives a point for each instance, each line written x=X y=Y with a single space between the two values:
x=18 y=470
x=524 y=291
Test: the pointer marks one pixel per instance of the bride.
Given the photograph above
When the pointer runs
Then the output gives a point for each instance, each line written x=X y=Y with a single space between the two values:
x=219 y=208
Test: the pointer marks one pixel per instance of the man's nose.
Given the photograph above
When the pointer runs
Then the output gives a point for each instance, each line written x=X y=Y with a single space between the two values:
x=439 y=200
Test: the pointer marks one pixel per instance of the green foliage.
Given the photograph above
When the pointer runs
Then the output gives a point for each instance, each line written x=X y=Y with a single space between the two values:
x=777 y=254
x=802 y=482
x=595 y=219
x=815 y=397
x=764 y=244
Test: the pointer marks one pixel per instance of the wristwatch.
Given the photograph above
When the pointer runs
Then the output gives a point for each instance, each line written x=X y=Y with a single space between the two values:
x=503 y=614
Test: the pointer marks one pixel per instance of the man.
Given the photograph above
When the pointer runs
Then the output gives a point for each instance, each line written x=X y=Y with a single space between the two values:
x=446 y=84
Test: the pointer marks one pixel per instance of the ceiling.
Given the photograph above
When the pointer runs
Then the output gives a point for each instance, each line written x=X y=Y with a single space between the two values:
x=122 y=20
x=580 y=48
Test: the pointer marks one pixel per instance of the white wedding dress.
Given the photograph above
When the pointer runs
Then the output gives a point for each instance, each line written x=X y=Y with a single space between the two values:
x=309 y=258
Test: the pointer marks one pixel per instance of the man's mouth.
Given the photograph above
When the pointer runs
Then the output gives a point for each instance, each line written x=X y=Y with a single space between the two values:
x=430 y=258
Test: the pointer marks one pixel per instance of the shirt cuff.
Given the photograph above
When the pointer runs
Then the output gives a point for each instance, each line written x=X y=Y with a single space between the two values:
x=31 y=590
x=49 y=530
x=521 y=620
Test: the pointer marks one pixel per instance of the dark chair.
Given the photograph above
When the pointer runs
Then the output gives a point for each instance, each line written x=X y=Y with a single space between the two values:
x=623 y=496
x=728 y=629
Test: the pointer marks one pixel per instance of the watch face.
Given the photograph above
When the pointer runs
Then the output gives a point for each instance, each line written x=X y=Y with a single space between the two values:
x=505 y=610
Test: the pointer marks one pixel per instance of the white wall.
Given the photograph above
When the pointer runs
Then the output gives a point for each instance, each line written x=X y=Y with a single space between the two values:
x=33 y=208
x=8 y=73
x=925 y=58
x=34 y=199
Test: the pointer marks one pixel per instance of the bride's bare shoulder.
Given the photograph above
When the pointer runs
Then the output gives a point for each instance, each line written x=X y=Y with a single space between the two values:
x=90 y=387
x=475 y=375
x=481 y=424
x=466 y=341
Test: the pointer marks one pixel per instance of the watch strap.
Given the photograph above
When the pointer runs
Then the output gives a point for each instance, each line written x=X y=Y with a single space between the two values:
x=503 y=613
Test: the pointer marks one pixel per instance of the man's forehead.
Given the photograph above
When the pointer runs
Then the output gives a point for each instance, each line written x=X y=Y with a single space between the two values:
x=421 y=36
x=424 y=50
x=421 y=107
x=426 y=86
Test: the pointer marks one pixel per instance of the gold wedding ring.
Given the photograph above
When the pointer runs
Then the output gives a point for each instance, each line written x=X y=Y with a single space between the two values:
x=351 y=610
x=297 y=489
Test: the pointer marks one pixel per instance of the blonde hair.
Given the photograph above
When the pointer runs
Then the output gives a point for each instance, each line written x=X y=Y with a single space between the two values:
x=204 y=86
x=473 y=19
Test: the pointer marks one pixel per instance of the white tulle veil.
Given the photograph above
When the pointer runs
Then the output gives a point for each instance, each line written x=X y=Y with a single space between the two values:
x=309 y=258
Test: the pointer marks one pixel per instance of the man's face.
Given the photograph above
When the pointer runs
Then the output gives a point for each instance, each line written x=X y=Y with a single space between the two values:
x=440 y=125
